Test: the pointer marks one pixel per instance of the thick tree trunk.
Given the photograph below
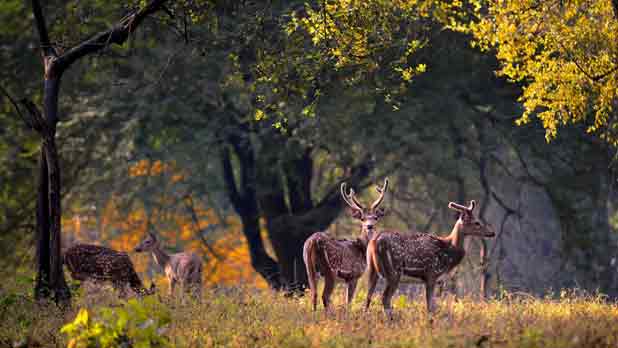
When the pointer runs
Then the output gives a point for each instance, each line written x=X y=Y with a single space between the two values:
x=244 y=201
x=62 y=295
x=42 y=286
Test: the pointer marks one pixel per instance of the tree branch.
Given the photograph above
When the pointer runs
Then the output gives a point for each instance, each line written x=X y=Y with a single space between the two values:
x=16 y=106
x=230 y=181
x=118 y=34
x=39 y=20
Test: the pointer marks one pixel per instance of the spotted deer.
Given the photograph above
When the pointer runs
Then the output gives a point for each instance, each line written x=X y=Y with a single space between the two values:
x=391 y=254
x=183 y=268
x=97 y=263
x=341 y=259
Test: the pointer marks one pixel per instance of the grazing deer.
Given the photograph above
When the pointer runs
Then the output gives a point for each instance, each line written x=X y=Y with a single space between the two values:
x=341 y=259
x=424 y=256
x=97 y=263
x=184 y=268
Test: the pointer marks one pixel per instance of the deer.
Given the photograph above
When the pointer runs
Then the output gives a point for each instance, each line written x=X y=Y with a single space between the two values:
x=98 y=263
x=392 y=254
x=184 y=267
x=341 y=260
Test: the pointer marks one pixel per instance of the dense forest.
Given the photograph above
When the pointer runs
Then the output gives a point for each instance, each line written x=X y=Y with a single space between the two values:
x=227 y=127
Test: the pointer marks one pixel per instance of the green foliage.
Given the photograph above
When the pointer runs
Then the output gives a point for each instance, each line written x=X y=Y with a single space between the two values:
x=565 y=56
x=139 y=323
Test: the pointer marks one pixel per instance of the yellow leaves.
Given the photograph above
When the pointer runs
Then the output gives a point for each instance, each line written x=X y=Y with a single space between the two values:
x=259 y=115
x=234 y=265
x=566 y=55
x=149 y=168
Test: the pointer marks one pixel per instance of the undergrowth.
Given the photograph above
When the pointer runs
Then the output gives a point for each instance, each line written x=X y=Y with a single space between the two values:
x=240 y=317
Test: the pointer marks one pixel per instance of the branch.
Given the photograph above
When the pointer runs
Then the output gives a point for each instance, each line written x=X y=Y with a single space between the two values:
x=230 y=181
x=39 y=20
x=16 y=106
x=118 y=34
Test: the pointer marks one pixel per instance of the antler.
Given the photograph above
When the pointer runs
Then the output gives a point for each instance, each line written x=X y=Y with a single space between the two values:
x=381 y=191
x=472 y=205
x=460 y=208
x=350 y=198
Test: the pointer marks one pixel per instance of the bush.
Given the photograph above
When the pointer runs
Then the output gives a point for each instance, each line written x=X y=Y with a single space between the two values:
x=137 y=323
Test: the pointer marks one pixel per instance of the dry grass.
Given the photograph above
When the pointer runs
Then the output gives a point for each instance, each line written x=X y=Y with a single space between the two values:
x=248 y=318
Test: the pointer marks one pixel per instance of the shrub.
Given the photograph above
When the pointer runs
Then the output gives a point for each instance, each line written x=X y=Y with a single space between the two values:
x=137 y=323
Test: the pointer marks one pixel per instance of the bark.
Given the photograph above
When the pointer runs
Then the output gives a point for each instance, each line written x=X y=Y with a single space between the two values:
x=42 y=286
x=298 y=174
x=62 y=295
x=484 y=252
x=244 y=201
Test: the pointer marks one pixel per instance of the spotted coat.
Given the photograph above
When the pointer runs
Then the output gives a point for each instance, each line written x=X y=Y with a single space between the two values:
x=419 y=255
x=97 y=263
x=344 y=257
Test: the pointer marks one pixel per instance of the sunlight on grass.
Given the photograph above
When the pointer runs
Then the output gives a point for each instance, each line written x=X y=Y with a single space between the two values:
x=236 y=317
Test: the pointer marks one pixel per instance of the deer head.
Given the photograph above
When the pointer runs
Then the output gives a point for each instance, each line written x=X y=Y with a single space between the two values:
x=369 y=217
x=469 y=224
x=149 y=243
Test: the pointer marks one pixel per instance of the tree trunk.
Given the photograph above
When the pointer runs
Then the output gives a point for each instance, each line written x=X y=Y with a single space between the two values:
x=244 y=201
x=42 y=286
x=62 y=295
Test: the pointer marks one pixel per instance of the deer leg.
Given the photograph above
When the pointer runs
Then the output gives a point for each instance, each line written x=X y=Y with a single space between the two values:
x=387 y=296
x=314 y=294
x=429 y=287
x=121 y=288
x=350 y=291
x=172 y=287
x=329 y=286
x=372 y=281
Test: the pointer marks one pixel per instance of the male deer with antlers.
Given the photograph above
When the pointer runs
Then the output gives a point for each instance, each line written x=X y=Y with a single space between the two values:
x=97 y=263
x=184 y=268
x=341 y=259
x=427 y=257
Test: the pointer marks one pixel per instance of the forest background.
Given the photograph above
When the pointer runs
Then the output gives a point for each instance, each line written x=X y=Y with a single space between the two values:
x=227 y=128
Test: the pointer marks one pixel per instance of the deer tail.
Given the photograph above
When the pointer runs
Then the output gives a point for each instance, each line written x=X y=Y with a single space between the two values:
x=310 y=255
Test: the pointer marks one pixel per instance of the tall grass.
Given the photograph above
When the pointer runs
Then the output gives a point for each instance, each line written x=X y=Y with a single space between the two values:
x=240 y=317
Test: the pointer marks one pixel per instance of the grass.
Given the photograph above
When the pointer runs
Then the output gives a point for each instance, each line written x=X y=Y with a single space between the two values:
x=249 y=318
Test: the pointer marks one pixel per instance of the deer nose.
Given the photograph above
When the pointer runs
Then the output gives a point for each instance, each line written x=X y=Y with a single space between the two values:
x=370 y=227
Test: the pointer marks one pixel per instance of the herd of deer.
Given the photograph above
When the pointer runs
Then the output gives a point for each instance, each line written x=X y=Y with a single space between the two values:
x=387 y=254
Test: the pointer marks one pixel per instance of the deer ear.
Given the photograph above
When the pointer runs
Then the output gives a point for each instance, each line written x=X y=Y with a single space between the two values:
x=357 y=214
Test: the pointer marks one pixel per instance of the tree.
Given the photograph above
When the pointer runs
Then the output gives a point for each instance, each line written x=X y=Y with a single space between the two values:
x=50 y=277
x=565 y=56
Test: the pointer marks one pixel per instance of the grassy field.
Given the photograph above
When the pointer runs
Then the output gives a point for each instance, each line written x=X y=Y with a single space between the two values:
x=247 y=318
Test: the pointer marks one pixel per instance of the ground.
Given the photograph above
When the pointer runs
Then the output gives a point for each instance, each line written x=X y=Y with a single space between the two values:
x=238 y=317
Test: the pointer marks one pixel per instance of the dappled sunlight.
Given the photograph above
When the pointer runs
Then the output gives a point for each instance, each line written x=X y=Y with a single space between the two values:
x=242 y=317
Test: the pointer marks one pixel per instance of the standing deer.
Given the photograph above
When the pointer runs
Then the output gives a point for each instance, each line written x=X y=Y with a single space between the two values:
x=97 y=263
x=392 y=254
x=341 y=259
x=184 y=268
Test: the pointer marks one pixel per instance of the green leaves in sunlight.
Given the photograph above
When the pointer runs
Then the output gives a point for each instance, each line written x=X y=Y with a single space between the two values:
x=138 y=323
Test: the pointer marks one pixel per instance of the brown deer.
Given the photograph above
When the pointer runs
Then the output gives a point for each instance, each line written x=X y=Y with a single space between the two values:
x=97 y=263
x=427 y=257
x=184 y=268
x=341 y=259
